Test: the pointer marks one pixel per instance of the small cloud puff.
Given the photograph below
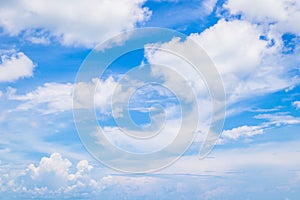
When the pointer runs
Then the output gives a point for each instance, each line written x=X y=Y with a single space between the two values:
x=15 y=65
x=296 y=104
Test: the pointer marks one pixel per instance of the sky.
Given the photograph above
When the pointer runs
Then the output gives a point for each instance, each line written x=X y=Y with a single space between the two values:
x=62 y=110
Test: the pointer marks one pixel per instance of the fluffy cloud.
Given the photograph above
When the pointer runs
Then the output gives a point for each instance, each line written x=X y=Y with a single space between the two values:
x=52 y=171
x=247 y=53
x=71 y=22
x=15 y=65
x=57 y=177
x=56 y=174
x=234 y=46
x=248 y=65
x=272 y=10
x=282 y=13
x=296 y=104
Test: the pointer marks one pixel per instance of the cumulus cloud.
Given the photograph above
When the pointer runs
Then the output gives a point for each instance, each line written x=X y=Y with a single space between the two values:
x=58 y=177
x=56 y=174
x=233 y=45
x=247 y=53
x=283 y=14
x=71 y=22
x=248 y=65
x=52 y=171
x=15 y=65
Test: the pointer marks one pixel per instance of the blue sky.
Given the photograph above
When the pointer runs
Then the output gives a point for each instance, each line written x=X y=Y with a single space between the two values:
x=255 y=47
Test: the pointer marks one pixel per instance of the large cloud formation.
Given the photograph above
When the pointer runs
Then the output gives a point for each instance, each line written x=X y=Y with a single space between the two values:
x=83 y=23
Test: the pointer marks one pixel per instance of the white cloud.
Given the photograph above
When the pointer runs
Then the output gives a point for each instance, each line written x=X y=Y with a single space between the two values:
x=264 y=156
x=186 y=75
x=284 y=14
x=57 y=97
x=14 y=66
x=234 y=46
x=165 y=136
x=52 y=171
x=271 y=121
x=40 y=37
x=71 y=22
x=102 y=91
x=49 y=98
x=54 y=174
x=184 y=72
x=209 y=5
x=247 y=54
x=296 y=104
x=272 y=10
x=248 y=65
x=279 y=119
x=243 y=131
x=57 y=177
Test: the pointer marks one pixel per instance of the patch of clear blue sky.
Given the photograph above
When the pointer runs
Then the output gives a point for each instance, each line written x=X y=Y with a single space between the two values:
x=183 y=16
x=289 y=41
